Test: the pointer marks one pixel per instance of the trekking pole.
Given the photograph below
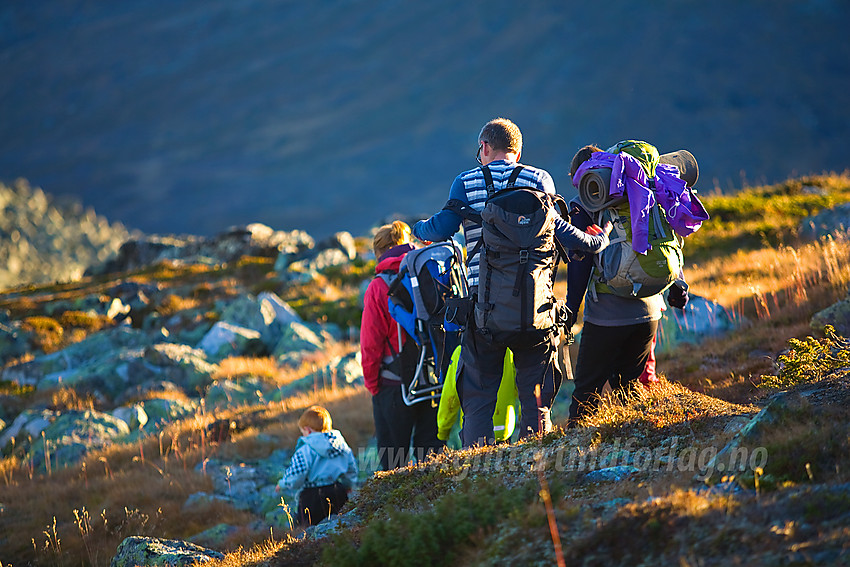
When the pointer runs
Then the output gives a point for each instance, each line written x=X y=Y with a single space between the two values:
x=545 y=495
x=550 y=511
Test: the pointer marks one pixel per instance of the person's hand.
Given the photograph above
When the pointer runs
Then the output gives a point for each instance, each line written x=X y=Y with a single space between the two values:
x=571 y=319
x=678 y=295
x=276 y=489
x=594 y=229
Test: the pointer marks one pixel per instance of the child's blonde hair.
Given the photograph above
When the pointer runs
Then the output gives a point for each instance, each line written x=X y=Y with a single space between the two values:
x=390 y=235
x=316 y=418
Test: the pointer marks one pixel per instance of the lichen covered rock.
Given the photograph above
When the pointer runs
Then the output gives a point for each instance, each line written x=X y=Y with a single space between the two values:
x=136 y=551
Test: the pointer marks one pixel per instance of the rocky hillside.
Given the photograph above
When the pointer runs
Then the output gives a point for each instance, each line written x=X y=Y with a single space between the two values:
x=148 y=408
x=173 y=329
x=45 y=240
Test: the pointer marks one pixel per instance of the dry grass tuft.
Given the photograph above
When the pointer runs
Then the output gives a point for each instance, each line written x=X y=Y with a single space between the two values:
x=235 y=367
x=90 y=322
x=47 y=332
x=176 y=395
x=656 y=528
x=665 y=409
x=64 y=399
x=172 y=304
x=257 y=555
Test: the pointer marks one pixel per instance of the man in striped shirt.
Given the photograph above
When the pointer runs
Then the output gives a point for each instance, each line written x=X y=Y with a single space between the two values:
x=499 y=149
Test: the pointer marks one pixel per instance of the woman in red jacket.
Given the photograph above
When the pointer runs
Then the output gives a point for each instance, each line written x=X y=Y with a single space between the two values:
x=396 y=424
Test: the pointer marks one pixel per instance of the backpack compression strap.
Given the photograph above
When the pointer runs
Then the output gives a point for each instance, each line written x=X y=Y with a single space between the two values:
x=392 y=281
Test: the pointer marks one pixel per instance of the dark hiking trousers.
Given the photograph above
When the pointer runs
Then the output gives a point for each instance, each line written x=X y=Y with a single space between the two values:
x=479 y=380
x=616 y=355
x=397 y=426
x=318 y=502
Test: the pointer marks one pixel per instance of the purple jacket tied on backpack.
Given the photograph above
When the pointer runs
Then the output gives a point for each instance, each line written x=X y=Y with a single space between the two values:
x=685 y=212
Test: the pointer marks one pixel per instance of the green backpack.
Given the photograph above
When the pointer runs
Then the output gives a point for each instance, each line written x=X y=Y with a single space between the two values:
x=619 y=269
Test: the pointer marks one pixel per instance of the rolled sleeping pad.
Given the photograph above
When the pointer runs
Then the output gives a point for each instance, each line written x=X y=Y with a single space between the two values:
x=593 y=190
x=687 y=164
x=595 y=183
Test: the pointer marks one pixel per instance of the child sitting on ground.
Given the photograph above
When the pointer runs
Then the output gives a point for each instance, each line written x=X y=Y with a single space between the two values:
x=323 y=467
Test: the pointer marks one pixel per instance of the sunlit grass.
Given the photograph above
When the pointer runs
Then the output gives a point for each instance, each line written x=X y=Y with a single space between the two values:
x=256 y=555
x=786 y=281
x=764 y=216
x=665 y=405
x=236 y=367
x=771 y=294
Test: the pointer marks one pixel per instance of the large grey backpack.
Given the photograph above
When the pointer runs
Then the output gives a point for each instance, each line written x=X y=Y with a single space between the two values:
x=518 y=264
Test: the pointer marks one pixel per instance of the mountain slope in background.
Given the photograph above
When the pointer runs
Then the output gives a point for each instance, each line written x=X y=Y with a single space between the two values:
x=190 y=117
x=44 y=240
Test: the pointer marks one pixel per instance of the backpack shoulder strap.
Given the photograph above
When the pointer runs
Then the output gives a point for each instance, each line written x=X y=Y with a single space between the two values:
x=391 y=279
x=514 y=176
x=563 y=208
x=468 y=213
x=488 y=179
x=595 y=273
x=463 y=209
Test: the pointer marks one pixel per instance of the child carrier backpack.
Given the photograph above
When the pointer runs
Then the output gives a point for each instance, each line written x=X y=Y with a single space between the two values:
x=417 y=296
x=519 y=260
x=619 y=269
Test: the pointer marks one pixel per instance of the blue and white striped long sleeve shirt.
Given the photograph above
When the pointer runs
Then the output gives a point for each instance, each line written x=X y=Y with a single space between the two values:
x=470 y=187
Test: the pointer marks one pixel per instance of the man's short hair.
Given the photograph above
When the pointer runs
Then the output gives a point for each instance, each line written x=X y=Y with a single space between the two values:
x=390 y=235
x=502 y=134
x=316 y=418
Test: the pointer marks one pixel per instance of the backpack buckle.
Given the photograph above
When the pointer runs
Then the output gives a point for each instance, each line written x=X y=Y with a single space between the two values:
x=523 y=256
